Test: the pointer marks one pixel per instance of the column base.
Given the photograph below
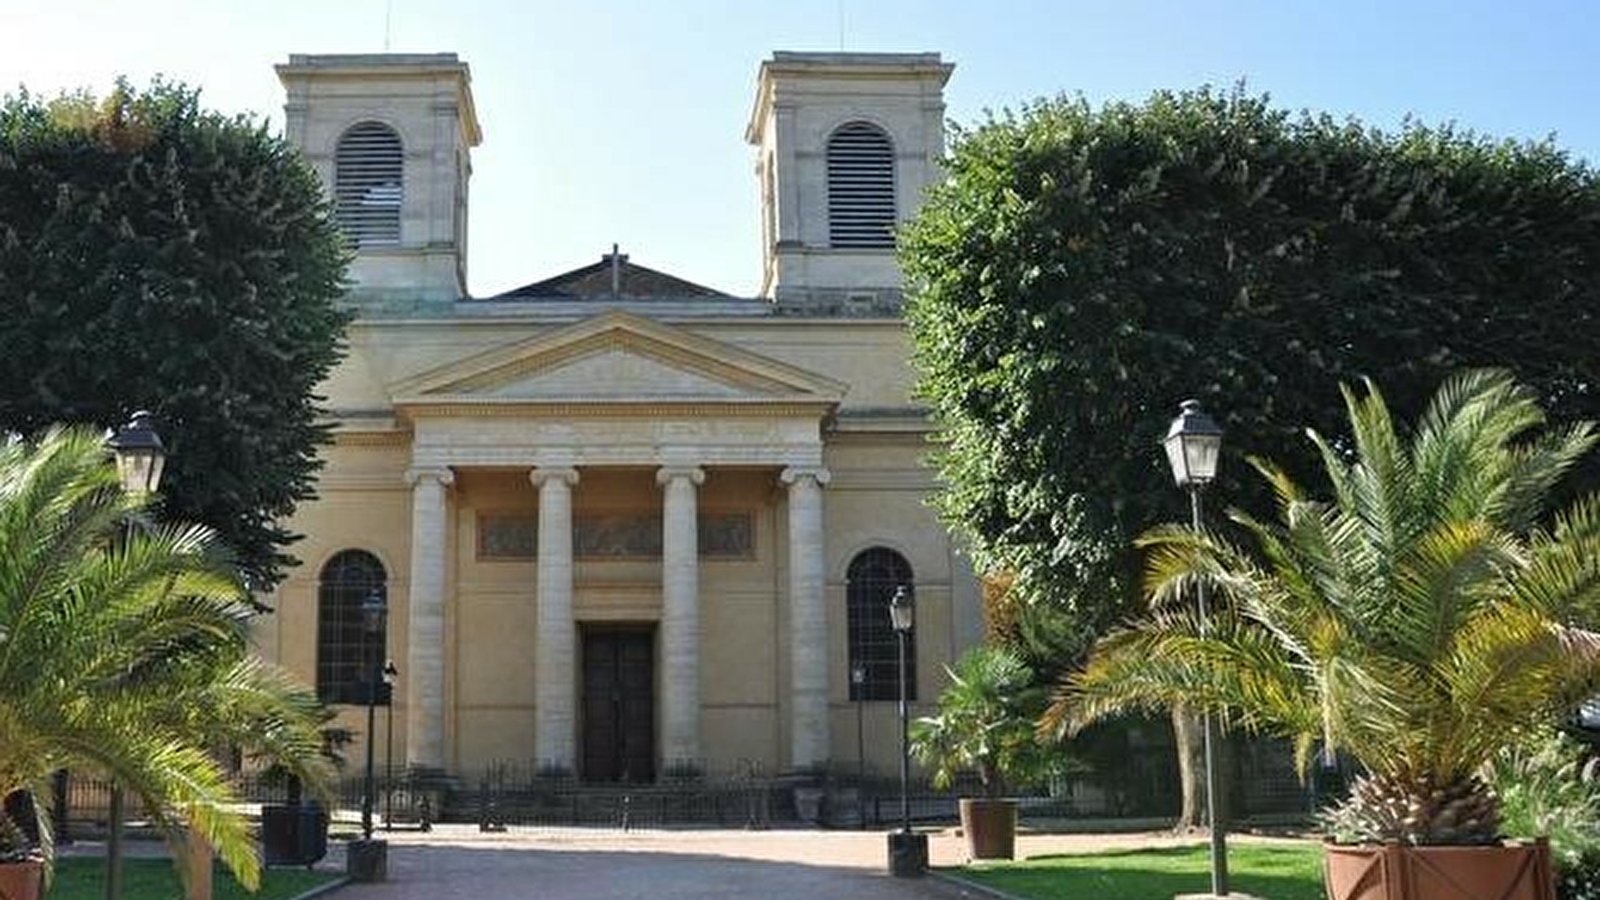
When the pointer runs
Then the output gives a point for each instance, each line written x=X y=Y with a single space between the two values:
x=367 y=861
x=908 y=854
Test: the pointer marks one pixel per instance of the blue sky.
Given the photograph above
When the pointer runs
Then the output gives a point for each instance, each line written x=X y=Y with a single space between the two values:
x=623 y=121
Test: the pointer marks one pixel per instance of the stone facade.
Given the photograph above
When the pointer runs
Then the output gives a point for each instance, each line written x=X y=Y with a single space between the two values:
x=572 y=488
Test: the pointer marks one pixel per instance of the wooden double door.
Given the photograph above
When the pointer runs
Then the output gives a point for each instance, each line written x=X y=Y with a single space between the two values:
x=618 y=703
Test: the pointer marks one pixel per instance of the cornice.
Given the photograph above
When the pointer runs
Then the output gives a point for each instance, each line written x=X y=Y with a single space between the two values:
x=371 y=438
x=474 y=408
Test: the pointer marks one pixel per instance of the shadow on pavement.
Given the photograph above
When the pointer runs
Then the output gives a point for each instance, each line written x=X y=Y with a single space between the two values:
x=418 y=871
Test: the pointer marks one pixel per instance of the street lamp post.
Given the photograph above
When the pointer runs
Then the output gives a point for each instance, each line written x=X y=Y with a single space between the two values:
x=368 y=859
x=908 y=851
x=141 y=458
x=391 y=675
x=858 y=685
x=1194 y=448
x=374 y=612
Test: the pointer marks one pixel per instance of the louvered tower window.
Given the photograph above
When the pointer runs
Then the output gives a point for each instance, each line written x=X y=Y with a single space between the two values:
x=367 y=184
x=860 y=187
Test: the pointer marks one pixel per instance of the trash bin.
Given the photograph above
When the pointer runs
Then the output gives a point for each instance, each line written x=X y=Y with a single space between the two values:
x=293 y=835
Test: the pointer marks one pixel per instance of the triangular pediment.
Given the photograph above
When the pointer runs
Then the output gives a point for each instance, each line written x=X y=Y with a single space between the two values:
x=618 y=357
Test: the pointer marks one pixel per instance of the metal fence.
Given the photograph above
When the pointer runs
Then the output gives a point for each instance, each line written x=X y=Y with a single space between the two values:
x=81 y=803
x=522 y=794
x=1138 y=781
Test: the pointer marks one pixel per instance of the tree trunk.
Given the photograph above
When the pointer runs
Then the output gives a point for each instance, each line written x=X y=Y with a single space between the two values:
x=1189 y=738
x=195 y=856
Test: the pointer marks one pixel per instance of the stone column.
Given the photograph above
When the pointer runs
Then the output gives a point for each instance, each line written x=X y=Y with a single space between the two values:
x=555 y=635
x=680 y=616
x=425 y=620
x=808 y=619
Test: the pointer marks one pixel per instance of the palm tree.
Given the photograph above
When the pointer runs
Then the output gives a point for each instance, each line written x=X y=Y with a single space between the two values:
x=1418 y=620
x=126 y=654
x=985 y=723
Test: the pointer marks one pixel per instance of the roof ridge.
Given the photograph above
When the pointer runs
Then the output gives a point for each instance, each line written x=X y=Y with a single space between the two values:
x=593 y=281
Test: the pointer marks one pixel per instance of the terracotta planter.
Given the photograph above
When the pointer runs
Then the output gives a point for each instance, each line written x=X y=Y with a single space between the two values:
x=1399 y=872
x=990 y=827
x=21 y=880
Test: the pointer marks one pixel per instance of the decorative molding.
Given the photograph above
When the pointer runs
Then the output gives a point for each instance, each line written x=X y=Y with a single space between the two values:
x=727 y=535
x=695 y=474
x=793 y=474
x=709 y=358
x=540 y=475
x=622 y=342
x=371 y=438
x=504 y=536
x=916 y=420
x=634 y=452
x=499 y=407
x=614 y=537
x=925 y=440
x=365 y=481
x=917 y=480
x=442 y=474
x=630 y=614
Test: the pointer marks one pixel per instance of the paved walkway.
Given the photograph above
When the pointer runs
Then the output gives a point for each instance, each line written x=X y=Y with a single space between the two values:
x=453 y=862
x=459 y=862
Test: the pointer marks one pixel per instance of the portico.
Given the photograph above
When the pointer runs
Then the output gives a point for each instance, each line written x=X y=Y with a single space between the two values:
x=530 y=409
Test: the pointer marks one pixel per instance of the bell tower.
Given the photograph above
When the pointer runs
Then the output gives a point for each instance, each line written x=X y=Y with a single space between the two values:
x=391 y=135
x=846 y=144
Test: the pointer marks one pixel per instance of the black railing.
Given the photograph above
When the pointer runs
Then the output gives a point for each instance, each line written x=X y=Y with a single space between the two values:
x=1141 y=783
x=508 y=794
x=403 y=802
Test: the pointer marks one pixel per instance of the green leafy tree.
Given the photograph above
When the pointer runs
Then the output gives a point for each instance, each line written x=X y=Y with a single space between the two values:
x=157 y=255
x=1420 y=620
x=124 y=651
x=1084 y=269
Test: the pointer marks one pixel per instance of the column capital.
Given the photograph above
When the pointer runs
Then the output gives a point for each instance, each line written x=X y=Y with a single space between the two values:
x=545 y=473
x=444 y=475
x=695 y=474
x=794 y=474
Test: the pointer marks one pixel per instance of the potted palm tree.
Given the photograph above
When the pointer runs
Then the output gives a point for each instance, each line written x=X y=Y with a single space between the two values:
x=124 y=652
x=1417 y=620
x=985 y=726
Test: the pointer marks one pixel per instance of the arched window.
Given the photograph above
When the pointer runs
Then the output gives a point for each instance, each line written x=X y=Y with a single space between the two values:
x=367 y=184
x=860 y=187
x=873 y=576
x=347 y=657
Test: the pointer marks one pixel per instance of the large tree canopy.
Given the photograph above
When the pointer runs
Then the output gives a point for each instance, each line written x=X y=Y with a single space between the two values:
x=154 y=254
x=1083 y=269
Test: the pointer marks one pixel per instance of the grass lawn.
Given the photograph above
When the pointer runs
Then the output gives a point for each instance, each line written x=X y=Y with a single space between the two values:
x=83 y=878
x=1273 y=871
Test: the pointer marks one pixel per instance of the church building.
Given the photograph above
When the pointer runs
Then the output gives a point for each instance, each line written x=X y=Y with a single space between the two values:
x=628 y=527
